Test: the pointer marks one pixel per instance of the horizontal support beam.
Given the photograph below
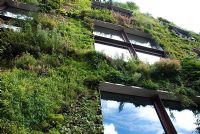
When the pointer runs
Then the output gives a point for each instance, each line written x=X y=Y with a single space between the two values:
x=141 y=92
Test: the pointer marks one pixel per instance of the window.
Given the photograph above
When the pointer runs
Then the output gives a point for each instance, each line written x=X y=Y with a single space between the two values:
x=184 y=120
x=182 y=33
x=15 y=13
x=130 y=117
x=14 y=28
x=113 y=52
x=129 y=109
x=137 y=40
x=108 y=33
x=116 y=41
x=147 y=58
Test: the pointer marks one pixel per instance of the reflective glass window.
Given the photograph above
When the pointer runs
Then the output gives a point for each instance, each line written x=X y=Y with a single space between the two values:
x=148 y=58
x=15 y=13
x=113 y=52
x=140 y=41
x=14 y=28
x=185 y=121
x=129 y=118
x=108 y=33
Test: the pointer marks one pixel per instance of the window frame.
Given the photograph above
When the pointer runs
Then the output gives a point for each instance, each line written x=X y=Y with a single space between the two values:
x=12 y=5
x=133 y=48
x=119 y=92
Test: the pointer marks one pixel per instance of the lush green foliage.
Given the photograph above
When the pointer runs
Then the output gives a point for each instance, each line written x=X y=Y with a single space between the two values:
x=129 y=5
x=49 y=72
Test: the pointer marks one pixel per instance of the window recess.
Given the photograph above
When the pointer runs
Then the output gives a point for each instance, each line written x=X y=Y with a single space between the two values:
x=101 y=4
x=13 y=14
x=128 y=109
x=139 y=44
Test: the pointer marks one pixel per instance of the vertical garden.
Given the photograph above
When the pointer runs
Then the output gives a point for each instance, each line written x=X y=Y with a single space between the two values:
x=50 y=72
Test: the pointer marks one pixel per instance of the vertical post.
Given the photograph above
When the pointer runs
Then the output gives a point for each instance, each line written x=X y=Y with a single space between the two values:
x=125 y=36
x=163 y=116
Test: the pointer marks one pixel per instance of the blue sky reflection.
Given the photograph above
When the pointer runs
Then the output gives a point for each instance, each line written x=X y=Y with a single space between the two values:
x=131 y=120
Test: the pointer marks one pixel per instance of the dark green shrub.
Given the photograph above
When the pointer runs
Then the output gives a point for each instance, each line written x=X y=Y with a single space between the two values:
x=191 y=73
x=132 y=79
x=149 y=84
x=95 y=59
x=191 y=69
x=115 y=76
x=92 y=82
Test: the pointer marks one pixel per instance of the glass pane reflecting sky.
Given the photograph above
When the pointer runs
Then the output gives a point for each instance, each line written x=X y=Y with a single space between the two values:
x=14 y=28
x=147 y=58
x=108 y=33
x=16 y=13
x=113 y=52
x=130 y=120
x=184 y=121
x=139 y=41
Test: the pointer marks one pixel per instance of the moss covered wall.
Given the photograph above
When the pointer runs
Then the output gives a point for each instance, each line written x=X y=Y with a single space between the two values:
x=49 y=72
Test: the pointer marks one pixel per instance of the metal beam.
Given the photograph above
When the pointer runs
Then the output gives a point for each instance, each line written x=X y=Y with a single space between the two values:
x=163 y=116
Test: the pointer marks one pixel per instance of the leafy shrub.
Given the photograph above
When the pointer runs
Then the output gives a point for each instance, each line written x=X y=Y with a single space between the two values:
x=128 y=5
x=166 y=69
x=46 y=21
x=115 y=76
x=144 y=69
x=29 y=40
x=11 y=127
x=95 y=59
x=191 y=69
x=50 y=60
x=149 y=84
x=132 y=79
x=56 y=119
x=104 y=15
x=26 y=61
x=55 y=4
x=92 y=82
x=119 y=64
x=132 y=66
x=191 y=73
